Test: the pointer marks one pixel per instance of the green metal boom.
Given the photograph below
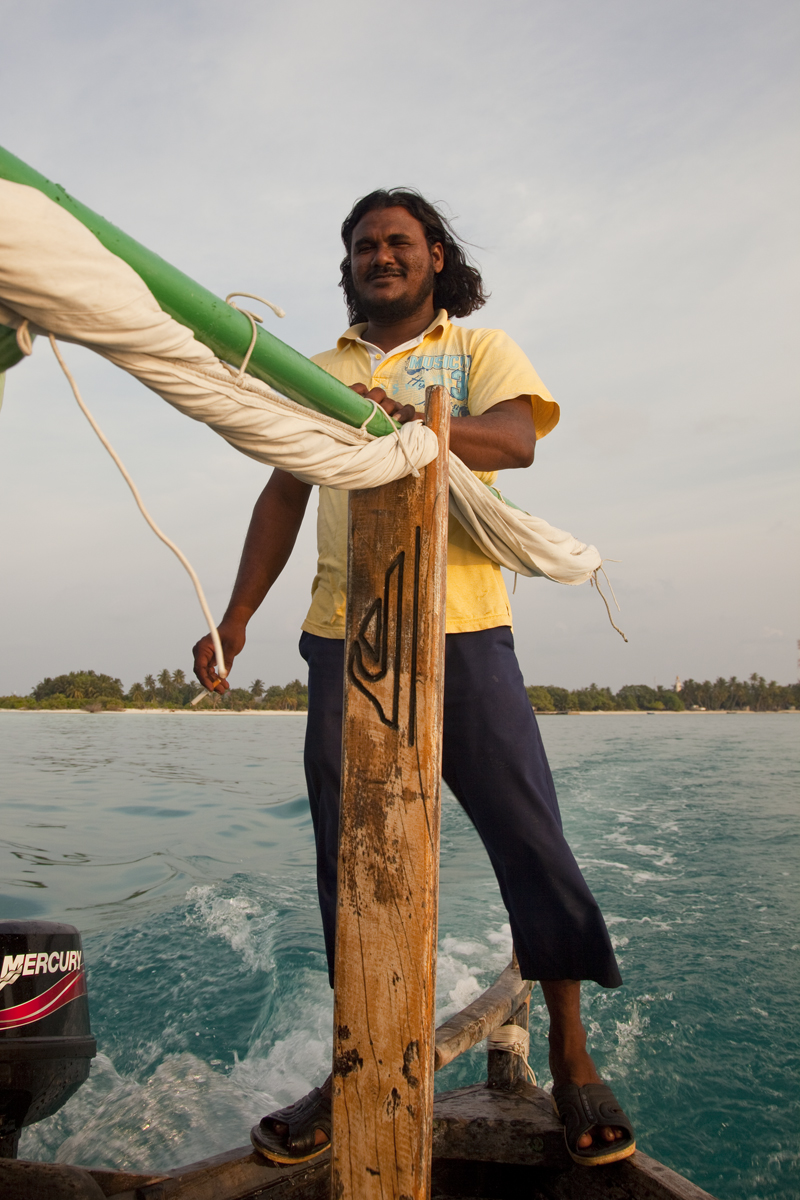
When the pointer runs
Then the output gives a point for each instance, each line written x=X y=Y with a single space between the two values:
x=213 y=322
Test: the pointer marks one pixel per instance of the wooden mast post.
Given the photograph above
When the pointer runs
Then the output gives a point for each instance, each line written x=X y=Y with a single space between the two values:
x=383 y=1049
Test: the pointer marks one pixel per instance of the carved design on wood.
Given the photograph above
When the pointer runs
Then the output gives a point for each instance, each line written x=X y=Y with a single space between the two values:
x=375 y=661
x=369 y=664
x=412 y=698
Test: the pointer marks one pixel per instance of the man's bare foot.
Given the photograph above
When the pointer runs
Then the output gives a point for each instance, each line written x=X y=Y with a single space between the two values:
x=577 y=1067
x=570 y=1061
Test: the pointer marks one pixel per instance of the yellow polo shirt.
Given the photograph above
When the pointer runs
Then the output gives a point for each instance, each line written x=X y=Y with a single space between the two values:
x=480 y=368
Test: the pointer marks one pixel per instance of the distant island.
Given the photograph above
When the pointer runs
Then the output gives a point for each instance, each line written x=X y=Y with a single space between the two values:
x=95 y=692
x=723 y=695
x=169 y=689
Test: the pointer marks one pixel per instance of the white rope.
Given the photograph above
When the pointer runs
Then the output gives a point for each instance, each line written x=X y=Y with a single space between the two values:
x=276 y=308
x=513 y=1040
x=221 y=671
x=413 y=470
x=608 y=581
x=252 y=318
x=595 y=583
x=24 y=339
x=376 y=408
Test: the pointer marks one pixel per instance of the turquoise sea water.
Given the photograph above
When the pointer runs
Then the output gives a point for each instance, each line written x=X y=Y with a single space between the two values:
x=181 y=846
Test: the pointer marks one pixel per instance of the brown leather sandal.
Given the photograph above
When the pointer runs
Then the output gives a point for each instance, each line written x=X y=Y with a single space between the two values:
x=296 y=1143
x=584 y=1108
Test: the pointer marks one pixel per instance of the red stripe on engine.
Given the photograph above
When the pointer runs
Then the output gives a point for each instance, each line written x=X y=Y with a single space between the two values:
x=68 y=988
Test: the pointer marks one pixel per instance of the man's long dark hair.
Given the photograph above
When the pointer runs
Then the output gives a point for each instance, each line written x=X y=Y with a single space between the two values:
x=458 y=287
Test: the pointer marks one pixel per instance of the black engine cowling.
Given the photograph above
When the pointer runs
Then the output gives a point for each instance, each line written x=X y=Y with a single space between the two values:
x=46 y=1046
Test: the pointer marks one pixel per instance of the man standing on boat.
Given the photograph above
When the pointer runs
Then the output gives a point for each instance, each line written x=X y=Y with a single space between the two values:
x=404 y=274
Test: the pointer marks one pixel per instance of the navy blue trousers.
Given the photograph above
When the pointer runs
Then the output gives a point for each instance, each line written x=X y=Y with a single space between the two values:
x=494 y=762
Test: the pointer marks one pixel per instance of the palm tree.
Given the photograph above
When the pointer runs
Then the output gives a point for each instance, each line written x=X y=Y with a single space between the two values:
x=150 y=687
x=178 y=687
x=759 y=691
x=164 y=686
x=257 y=689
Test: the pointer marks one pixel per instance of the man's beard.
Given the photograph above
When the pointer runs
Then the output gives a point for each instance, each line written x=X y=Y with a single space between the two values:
x=399 y=309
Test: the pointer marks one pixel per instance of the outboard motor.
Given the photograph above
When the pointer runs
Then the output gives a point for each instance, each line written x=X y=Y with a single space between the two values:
x=45 y=1044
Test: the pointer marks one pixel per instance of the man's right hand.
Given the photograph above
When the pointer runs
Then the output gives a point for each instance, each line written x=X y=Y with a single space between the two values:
x=232 y=635
x=274 y=525
x=401 y=413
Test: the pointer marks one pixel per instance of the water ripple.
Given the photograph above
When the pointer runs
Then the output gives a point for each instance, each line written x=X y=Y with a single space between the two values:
x=206 y=968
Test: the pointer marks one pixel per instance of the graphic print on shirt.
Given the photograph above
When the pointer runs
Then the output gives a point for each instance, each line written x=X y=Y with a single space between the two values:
x=442 y=370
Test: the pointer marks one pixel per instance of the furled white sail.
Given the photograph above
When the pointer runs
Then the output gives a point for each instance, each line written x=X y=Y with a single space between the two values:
x=56 y=277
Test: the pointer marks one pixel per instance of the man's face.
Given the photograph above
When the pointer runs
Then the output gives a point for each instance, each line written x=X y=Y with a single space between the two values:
x=393 y=266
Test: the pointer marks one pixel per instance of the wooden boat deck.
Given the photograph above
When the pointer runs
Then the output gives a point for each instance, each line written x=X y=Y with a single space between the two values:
x=488 y=1144
x=496 y=1140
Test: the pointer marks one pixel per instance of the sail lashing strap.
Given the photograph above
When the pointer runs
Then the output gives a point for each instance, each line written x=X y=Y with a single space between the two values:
x=513 y=1040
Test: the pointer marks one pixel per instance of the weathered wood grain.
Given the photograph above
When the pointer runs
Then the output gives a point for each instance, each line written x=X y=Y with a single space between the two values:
x=455 y=1179
x=651 y=1180
x=501 y=1132
x=233 y=1175
x=486 y=1124
x=116 y=1183
x=389 y=834
x=22 y=1180
x=475 y=1022
x=484 y=1142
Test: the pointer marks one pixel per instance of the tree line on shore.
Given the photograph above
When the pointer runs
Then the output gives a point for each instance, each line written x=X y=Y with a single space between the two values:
x=168 y=689
x=724 y=695
x=171 y=689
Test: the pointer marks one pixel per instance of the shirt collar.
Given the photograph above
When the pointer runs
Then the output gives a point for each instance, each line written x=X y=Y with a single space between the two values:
x=353 y=334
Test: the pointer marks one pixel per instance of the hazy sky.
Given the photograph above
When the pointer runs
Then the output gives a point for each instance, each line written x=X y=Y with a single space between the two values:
x=627 y=175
